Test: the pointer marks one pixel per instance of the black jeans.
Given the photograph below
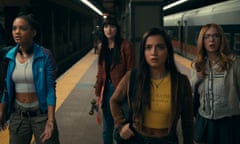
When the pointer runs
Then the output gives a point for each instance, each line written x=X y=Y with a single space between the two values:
x=221 y=131
x=140 y=139
x=170 y=139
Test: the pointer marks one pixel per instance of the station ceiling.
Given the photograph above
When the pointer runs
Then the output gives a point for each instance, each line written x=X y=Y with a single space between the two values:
x=112 y=6
x=116 y=6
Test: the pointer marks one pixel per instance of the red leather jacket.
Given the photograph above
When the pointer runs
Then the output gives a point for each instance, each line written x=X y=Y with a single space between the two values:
x=117 y=71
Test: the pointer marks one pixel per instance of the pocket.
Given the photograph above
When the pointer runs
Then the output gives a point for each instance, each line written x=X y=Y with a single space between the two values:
x=171 y=139
x=15 y=123
x=40 y=119
x=119 y=140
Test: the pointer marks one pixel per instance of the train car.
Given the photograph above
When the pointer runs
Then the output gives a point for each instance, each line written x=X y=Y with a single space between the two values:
x=184 y=27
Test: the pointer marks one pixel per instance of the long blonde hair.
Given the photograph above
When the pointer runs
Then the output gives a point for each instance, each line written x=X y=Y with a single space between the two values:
x=223 y=52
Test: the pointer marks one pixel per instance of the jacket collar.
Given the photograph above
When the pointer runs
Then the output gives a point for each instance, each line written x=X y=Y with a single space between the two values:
x=37 y=52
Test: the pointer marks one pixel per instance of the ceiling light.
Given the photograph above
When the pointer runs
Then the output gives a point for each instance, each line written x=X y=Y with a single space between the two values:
x=174 y=4
x=90 y=5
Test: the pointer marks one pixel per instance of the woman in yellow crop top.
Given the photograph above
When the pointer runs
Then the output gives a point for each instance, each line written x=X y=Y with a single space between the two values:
x=160 y=96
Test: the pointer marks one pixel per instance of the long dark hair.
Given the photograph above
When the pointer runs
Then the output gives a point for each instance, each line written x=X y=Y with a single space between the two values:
x=143 y=77
x=110 y=20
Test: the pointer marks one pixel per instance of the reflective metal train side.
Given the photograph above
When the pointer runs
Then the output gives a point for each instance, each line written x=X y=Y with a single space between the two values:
x=184 y=27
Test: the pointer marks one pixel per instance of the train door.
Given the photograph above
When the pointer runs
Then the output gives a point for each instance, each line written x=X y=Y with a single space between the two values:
x=185 y=37
x=180 y=34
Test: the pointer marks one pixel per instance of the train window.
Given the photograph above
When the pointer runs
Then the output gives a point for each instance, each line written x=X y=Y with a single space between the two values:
x=236 y=44
x=170 y=33
x=228 y=37
x=196 y=37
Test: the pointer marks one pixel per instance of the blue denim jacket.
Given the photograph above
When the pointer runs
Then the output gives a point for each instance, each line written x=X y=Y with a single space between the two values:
x=44 y=75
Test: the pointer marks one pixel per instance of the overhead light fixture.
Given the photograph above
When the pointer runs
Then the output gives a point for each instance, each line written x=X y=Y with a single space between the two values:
x=90 y=5
x=104 y=17
x=174 y=4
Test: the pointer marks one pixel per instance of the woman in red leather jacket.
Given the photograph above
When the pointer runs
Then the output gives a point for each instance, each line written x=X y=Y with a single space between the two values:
x=115 y=59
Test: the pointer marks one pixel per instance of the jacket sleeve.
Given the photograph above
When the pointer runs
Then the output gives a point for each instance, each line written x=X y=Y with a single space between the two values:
x=120 y=96
x=187 y=112
x=99 y=79
x=51 y=70
x=2 y=78
x=129 y=54
x=3 y=71
x=193 y=78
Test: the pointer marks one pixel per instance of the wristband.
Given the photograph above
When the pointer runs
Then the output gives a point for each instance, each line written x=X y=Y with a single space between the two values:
x=51 y=120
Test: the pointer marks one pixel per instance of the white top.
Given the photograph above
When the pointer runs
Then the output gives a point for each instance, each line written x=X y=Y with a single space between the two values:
x=23 y=76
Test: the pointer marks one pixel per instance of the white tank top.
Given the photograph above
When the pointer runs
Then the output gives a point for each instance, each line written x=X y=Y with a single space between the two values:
x=23 y=76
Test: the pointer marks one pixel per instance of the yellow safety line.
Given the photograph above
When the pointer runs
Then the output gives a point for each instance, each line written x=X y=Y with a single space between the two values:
x=65 y=84
x=183 y=61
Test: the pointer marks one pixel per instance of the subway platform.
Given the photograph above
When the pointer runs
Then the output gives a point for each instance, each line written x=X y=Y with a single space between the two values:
x=75 y=90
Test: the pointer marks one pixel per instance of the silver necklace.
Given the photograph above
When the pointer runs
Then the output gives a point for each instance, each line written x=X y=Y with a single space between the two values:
x=157 y=84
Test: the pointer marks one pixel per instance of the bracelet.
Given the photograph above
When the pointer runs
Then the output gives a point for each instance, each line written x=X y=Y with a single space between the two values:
x=116 y=134
x=51 y=120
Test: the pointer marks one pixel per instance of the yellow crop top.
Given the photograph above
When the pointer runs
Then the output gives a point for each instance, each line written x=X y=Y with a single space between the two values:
x=158 y=115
